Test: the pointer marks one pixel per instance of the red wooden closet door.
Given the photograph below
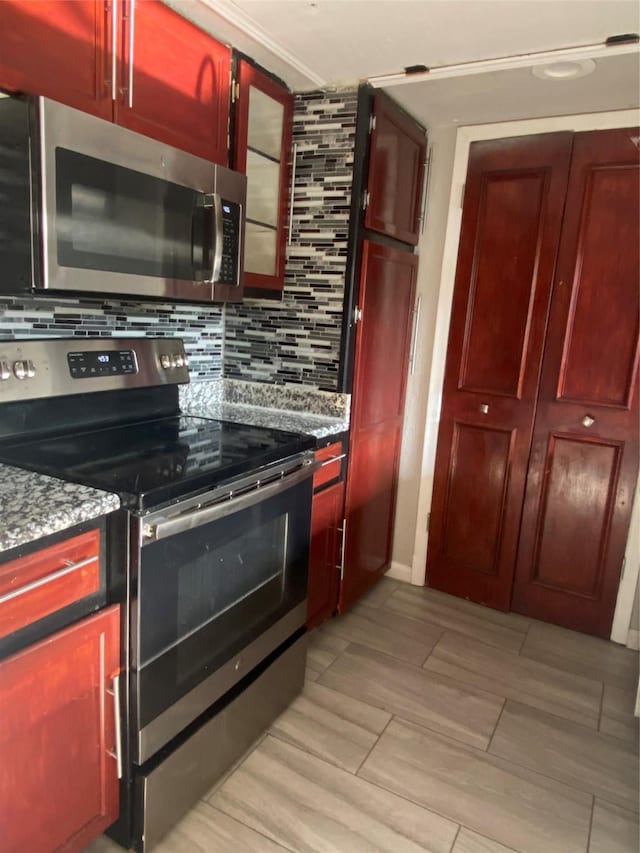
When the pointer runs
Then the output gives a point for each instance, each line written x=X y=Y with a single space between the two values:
x=510 y=231
x=584 y=460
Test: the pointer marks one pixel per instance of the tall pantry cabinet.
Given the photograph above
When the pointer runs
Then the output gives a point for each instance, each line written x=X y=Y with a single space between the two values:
x=388 y=223
x=537 y=453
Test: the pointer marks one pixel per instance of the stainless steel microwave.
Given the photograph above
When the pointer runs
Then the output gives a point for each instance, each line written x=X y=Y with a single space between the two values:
x=88 y=207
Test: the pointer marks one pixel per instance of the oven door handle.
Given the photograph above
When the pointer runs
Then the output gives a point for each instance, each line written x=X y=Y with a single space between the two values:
x=204 y=515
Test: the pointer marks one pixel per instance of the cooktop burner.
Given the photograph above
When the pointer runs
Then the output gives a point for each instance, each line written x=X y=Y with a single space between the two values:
x=153 y=462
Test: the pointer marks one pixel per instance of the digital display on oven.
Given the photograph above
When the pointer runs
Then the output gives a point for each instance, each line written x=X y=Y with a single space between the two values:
x=89 y=365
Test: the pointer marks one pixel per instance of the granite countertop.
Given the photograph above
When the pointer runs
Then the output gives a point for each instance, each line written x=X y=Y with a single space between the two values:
x=319 y=426
x=34 y=505
x=296 y=409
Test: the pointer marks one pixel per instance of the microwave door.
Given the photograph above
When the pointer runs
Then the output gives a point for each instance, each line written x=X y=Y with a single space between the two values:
x=117 y=211
x=131 y=230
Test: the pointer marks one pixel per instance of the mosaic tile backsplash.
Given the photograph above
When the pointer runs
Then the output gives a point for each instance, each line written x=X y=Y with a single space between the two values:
x=200 y=326
x=298 y=340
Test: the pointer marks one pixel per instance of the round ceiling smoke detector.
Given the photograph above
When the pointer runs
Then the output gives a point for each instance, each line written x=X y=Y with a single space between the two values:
x=567 y=70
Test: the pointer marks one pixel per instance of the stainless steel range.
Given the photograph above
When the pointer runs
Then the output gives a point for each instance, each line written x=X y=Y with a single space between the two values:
x=216 y=519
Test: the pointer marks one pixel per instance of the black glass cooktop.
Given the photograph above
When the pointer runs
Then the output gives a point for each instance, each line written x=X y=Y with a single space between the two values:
x=152 y=462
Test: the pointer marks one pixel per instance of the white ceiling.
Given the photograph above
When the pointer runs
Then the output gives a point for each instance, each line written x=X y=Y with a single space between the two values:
x=321 y=43
x=516 y=94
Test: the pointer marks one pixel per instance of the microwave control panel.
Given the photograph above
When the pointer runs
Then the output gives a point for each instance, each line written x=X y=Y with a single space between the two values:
x=89 y=365
x=230 y=242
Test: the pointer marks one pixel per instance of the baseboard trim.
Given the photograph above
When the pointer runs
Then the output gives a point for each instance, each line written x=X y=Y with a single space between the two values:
x=633 y=639
x=399 y=572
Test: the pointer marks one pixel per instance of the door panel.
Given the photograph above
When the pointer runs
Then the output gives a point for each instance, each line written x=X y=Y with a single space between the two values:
x=58 y=776
x=598 y=314
x=58 y=48
x=324 y=554
x=500 y=306
x=262 y=151
x=584 y=460
x=577 y=498
x=180 y=81
x=481 y=456
x=513 y=207
x=396 y=172
x=387 y=291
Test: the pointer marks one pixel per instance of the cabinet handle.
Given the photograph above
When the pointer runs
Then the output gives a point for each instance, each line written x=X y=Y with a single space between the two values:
x=332 y=459
x=425 y=189
x=28 y=587
x=132 y=27
x=114 y=58
x=342 y=549
x=293 y=184
x=115 y=692
x=588 y=421
x=414 y=335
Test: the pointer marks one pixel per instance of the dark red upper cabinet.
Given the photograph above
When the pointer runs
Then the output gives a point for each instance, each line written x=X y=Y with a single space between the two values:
x=167 y=79
x=262 y=150
x=174 y=81
x=62 y=49
x=396 y=172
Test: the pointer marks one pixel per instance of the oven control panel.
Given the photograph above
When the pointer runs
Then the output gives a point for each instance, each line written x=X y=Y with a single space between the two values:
x=230 y=243
x=52 y=367
x=84 y=364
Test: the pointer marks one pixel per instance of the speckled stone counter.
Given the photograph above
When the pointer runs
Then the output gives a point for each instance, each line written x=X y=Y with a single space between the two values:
x=34 y=505
x=317 y=413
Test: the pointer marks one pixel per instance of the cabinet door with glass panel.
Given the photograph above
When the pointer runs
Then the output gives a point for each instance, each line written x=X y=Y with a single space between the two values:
x=263 y=128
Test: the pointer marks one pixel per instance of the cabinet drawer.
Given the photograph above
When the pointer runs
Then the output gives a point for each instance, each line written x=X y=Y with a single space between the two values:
x=38 y=584
x=330 y=459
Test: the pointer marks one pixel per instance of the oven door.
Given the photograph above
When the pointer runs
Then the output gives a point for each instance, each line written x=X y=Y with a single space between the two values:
x=121 y=213
x=219 y=588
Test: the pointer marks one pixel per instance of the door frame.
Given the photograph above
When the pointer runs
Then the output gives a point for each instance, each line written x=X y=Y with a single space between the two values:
x=437 y=354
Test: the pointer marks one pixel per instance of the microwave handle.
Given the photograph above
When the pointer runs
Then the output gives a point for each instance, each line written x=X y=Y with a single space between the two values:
x=214 y=202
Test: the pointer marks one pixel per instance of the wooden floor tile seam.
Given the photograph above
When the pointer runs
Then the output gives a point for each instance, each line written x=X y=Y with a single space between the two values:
x=495 y=728
x=373 y=746
x=315 y=758
x=451 y=634
x=516 y=764
x=593 y=807
x=455 y=838
x=448 y=817
x=581 y=786
x=414 y=802
x=634 y=815
x=271 y=841
x=522 y=698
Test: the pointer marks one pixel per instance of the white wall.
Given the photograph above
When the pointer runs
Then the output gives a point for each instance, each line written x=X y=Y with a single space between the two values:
x=442 y=143
x=438 y=254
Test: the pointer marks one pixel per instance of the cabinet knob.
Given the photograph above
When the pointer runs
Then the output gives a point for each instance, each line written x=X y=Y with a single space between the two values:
x=484 y=408
x=588 y=421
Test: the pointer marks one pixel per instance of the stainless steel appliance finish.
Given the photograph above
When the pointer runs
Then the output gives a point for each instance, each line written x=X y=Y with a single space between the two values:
x=178 y=716
x=41 y=369
x=214 y=533
x=113 y=211
x=168 y=791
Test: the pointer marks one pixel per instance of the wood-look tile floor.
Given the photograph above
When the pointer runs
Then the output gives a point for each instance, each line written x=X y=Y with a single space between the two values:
x=428 y=723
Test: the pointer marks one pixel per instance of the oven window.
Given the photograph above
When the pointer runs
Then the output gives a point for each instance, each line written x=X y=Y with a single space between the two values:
x=114 y=219
x=213 y=579
x=206 y=593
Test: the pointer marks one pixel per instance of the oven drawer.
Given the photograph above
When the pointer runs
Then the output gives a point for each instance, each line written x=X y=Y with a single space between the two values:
x=331 y=461
x=165 y=793
x=38 y=584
